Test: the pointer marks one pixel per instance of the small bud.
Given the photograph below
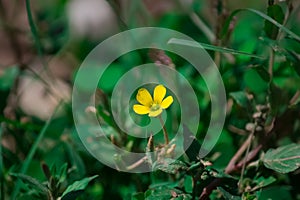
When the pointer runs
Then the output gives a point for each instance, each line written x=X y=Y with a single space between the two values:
x=206 y=163
x=257 y=115
x=46 y=170
x=258 y=128
x=250 y=127
x=262 y=108
x=171 y=149
x=91 y=109
x=150 y=144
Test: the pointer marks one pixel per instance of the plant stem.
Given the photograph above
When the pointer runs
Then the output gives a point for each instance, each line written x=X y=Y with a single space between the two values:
x=2 y=196
x=137 y=163
x=271 y=63
x=232 y=166
x=164 y=130
x=294 y=99
x=246 y=158
x=237 y=155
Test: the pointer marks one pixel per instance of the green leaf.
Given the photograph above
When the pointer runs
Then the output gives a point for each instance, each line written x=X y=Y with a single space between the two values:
x=63 y=173
x=263 y=182
x=240 y=98
x=264 y=74
x=165 y=193
x=295 y=60
x=75 y=159
x=276 y=13
x=76 y=188
x=169 y=165
x=255 y=82
x=138 y=196
x=188 y=184
x=276 y=193
x=227 y=195
x=32 y=151
x=162 y=193
x=34 y=183
x=266 y=17
x=110 y=77
x=210 y=47
x=284 y=159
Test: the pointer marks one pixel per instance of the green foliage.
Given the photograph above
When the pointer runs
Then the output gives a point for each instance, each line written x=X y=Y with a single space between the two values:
x=210 y=47
x=255 y=46
x=8 y=77
x=276 y=13
x=169 y=165
x=34 y=183
x=241 y=98
x=284 y=159
x=228 y=196
x=76 y=188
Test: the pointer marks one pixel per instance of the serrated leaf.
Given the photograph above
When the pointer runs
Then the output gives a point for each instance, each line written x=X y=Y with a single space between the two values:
x=276 y=13
x=284 y=159
x=165 y=193
x=76 y=188
x=240 y=98
x=162 y=193
x=34 y=183
x=169 y=165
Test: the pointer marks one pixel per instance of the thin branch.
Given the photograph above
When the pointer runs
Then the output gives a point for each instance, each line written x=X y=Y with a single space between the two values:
x=203 y=27
x=208 y=189
x=249 y=158
x=137 y=163
x=246 y=158
x=295 y=98
x=271 y=62
x=232 y=163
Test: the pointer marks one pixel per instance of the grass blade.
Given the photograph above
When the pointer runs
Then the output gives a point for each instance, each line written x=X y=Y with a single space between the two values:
x=210 y=47
x=31 y=153
x=266 y=17
x=33 y=29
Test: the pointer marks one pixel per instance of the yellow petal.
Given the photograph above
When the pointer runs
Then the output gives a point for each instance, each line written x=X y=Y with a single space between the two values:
x=166 y=102
x=159 y=93
x=144 y=97
x=155 y=113
x=141 y=110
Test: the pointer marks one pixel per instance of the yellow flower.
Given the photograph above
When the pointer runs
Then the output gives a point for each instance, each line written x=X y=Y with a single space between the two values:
x=152 y=107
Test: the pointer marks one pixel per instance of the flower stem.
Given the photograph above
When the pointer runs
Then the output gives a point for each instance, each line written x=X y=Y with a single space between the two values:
x=164 y=130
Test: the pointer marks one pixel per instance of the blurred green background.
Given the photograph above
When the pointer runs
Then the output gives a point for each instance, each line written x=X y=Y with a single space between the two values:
x=42 y=44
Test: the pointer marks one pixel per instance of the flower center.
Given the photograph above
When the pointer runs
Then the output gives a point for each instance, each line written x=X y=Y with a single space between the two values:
x=155 y=107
